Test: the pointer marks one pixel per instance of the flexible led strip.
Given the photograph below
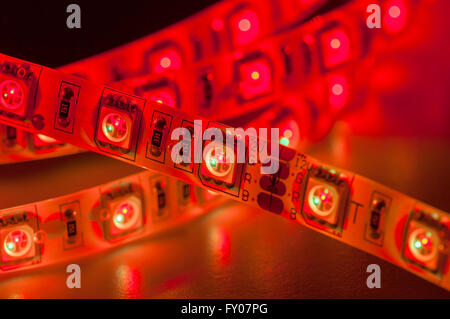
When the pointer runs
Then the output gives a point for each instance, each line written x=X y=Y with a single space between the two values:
x=314 y=67
x=203 y=52
x=337 y=203
x=94 y=220
x=17 y=145
x=184 y=65
x=20 y=146
x=68 y=225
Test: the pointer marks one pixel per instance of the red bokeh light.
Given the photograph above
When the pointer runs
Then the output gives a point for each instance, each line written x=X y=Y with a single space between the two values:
x=165 y=59
x=255 y=78
x=40 y=140
x=244 y=27
x=165 y=62
x=164 y=96
x=217 y=25
x=394 y=19
x=335 y=47
x=338 y=91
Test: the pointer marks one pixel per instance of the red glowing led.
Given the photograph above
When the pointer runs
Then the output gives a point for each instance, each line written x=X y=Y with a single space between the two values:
x=422 y=244
x=287 y=133
x=290 y=130
x=255 y=75
x=335 y=47
x=335 y=43
x=165 y=59
x=394 y=19
x=163 y=95
x=165 y=62
x=115 y=127
x=285 y=139
x=11 y=94
x=255 y=78
x=41 y=140
x=394 y=11
x=126 y=215
x=217 y=25
x=338 y=91
x=17 y=243
x=219 y=161
x=322 y=200
x=244 y=27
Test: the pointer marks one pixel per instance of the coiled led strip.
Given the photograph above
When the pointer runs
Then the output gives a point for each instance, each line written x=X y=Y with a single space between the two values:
x=284 y=15
x=27 y=149
x=286 y=32
x=365 y=214
x=399 y=257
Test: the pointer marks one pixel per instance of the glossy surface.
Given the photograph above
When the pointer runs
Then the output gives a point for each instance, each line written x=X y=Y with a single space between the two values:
x=235 y=251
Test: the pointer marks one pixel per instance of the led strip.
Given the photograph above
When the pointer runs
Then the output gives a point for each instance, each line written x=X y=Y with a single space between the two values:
x=337 y=203
x=310 y=70
x=21 y=146
x=97 y=219
x=23 y=244
x=316 y=67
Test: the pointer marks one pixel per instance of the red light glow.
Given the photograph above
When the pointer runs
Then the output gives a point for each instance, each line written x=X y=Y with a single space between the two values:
x=255 y=78
x=129 y=280
x=244 y=27
x=338 y=91
x=126 y=215
x=219 y=161
x=222 y=245
x=394 y=11
x=17 y=243
x=165 y=62
x=395 y=16
x=165 y=59
x=423 y=245
x=255 y=75
x=335 y=47
x=115 y=127
x=164 y=95
x=217 y=25
x=335 y=43
x=322 y=200
x=287 y=133
x=11 y=94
